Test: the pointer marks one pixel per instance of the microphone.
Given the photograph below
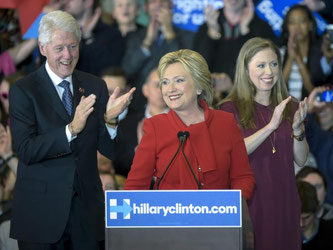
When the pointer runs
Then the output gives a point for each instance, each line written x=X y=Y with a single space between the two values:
x=186 y=134
x=182 y=139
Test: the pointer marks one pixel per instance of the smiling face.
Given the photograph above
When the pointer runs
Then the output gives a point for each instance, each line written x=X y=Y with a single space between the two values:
x=62 y=52
x=264 y=70
x=125 y=11
x=178 y=88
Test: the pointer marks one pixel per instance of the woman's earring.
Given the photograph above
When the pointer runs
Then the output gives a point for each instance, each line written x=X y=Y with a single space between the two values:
x=199 y=91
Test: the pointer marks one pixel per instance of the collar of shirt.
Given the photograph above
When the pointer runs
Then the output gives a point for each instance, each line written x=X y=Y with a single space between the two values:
x=56 y=80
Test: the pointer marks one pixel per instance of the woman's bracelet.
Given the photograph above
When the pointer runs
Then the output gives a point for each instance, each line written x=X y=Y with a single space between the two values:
x=298 y=137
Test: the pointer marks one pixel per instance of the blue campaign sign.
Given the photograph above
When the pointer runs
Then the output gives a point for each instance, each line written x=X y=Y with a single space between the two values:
x=191 y=208
x=273 y=12
x=188 y=14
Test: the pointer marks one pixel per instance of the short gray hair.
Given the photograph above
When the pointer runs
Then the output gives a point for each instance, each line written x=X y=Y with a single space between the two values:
x=57 y=20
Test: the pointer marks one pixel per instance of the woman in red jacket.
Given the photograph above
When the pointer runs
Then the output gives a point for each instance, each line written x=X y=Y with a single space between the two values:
x=193 y=146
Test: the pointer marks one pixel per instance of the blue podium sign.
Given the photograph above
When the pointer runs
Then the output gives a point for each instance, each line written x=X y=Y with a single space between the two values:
x=190 y=208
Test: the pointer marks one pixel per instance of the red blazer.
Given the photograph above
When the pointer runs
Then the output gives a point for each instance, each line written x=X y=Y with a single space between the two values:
x=215 y=150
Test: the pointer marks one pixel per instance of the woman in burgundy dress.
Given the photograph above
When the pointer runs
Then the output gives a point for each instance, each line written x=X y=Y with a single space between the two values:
x=273 y=131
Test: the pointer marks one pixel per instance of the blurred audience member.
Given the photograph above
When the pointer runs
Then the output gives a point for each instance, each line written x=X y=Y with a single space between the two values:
x=7 y=182
x=319 y=133
x=220 y=39
x=15 y=55
x=222 y=85
x=125 y=13
x=110 y=180
x=5 y=86
x=155 y=103
x=115 y=77
x=306 y=61
x=323 y=7
x=273 y=131
x=316 y=233
x=315 y=178
x=146 y=46
x=101 y=45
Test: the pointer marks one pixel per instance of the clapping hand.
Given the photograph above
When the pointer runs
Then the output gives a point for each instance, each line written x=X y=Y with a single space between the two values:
x=117 y=104
x=164 y=18
x=300 y=115
x=278 y=113
x=247 y=16
x=82 y=112
x=211 y=16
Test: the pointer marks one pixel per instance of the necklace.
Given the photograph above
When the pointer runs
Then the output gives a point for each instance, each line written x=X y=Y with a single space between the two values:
x=270 y=139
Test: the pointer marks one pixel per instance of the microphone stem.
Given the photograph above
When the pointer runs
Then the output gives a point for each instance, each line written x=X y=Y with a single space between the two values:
x=166 y=169
x=189 y=165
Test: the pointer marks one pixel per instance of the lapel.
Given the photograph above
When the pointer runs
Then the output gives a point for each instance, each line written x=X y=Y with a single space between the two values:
x=51 y=97
x=50 y=94
x=78 y=90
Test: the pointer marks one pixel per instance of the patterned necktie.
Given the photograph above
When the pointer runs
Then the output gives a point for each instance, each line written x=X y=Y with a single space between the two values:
x=67 y=97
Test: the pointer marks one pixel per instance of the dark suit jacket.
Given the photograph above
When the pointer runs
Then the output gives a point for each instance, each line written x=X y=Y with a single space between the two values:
x=47 y=162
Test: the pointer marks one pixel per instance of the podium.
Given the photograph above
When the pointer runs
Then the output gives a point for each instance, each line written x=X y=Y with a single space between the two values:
x=177 y=237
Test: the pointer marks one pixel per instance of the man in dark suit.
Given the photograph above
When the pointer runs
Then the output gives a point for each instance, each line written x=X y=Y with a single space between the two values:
x=59 y=118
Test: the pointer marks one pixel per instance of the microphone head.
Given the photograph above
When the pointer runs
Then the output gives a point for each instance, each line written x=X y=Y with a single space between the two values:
x=181 y=136
x=186 y=134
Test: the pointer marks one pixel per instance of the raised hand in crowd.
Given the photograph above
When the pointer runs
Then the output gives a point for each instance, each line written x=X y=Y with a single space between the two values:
x=314 y=104
x=211 y=16
x=246 y=17
x=326 y=48
x=164 y=19
x=6 y=152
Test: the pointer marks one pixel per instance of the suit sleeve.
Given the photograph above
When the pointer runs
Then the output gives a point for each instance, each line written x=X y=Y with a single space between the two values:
x=106 y=145
x=142 y=169
x=29 y=144
x=241 y=176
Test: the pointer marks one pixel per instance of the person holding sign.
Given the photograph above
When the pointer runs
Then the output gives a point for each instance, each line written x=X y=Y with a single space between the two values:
x=192 y=146
x=273 y=131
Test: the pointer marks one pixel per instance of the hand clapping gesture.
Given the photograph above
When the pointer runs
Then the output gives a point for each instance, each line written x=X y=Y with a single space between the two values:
x=117 y=104
x=278 y=114
x=300 y=115
x=211 y=16
x=247 y=16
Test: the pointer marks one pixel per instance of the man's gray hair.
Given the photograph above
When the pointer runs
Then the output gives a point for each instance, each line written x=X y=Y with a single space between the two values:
x=57 y=20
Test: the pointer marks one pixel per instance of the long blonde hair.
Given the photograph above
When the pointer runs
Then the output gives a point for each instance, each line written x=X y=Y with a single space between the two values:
x=244 y=91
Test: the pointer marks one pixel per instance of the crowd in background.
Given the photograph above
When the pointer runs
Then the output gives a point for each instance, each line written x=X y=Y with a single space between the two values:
x=126 y=54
